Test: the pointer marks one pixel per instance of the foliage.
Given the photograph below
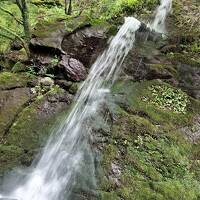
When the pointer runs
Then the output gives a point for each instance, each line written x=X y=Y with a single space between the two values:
x=110 y=9
x=135 y=92
x=168 y=98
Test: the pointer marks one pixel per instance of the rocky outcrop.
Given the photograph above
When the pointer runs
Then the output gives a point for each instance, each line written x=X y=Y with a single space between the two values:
x=47 y=37
x=27 y=114
x=85 y=44
x=12 y=103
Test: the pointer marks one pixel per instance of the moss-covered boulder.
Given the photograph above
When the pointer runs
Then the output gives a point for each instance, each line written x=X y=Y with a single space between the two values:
x=10 y=80
x=27 y=114
x=146 y=155
x=33 y=124
x=12 y=103
x=49 y=35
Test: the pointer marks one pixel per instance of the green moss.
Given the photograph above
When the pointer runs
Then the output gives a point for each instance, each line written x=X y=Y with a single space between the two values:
x=164 y=68
x=128 y=127
x=156 y=167
x=110 y=154
x=10 y=156
x=19 y=67
x=108 y=196
x=134 y=93
x=154 y=157
x=11 y=80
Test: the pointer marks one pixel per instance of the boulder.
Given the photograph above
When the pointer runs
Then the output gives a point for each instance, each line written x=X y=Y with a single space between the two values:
x=86 y=44
x=46 y=81
x=48 y=37
x=10 y=81
x=64 y=83
x=29 y=125
x=11 y=103
x=73 y=69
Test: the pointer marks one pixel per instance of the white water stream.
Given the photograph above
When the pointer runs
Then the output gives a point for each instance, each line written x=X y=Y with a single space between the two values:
x=52 y=178
x=160 y=17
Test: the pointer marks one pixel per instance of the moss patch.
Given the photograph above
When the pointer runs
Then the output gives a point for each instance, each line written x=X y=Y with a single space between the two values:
x=131 y=95
x=155 y=159
x=11 y=80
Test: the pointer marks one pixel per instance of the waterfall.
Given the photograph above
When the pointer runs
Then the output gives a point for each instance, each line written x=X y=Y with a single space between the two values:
x=160 y=17
x=52 y=178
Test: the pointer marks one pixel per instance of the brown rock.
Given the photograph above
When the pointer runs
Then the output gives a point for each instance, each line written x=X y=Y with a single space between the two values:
x=73 y=69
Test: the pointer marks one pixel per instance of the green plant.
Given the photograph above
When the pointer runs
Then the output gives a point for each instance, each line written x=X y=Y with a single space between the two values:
x=30 y=70
x=168 y=98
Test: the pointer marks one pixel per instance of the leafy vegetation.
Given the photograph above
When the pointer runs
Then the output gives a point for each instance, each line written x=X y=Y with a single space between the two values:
x=47 y=11
x=168 y=98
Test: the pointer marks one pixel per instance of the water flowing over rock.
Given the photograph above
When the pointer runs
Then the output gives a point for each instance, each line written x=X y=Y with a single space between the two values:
x=161 y=14
x=73 y=69
x=64 y=155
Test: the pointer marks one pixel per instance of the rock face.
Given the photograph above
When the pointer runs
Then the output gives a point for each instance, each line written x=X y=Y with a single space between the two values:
x=147 y=62
x=27 y=114
x=73 y=69
x=49 y=36
x=11 y=104
x=189 y=79
x=85 y=43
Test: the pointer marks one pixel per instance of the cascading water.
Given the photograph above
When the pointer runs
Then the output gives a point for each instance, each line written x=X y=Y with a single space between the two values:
x=160 y=17
x=52 y=178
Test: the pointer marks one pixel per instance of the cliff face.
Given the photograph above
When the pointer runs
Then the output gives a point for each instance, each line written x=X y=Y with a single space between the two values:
x=149 y=146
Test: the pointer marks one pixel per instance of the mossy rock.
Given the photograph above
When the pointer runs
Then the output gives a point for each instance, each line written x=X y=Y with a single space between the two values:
x=108 y=196
x=10 y=157
x=165 y=70
x=29 y=130
x=19 y=67
x=15 y=80
x=133 y=96
x=12 y=103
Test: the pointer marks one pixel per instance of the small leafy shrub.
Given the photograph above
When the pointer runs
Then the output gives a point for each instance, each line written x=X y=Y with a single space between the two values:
x=168 y=98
